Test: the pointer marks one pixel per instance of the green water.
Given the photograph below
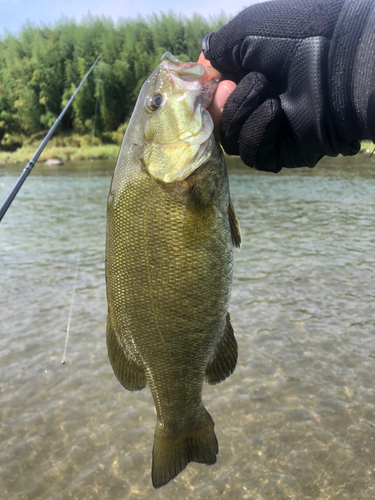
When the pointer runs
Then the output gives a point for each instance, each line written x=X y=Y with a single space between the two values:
x=297 y=418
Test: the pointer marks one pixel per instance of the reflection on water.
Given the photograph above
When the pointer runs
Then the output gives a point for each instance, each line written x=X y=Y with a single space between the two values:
x=297 y=418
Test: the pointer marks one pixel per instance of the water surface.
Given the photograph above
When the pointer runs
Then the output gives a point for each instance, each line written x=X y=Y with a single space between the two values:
x=297 y=418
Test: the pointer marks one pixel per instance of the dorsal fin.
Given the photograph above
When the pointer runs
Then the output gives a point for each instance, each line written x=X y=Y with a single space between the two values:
x=224 y=359
x=234 y=226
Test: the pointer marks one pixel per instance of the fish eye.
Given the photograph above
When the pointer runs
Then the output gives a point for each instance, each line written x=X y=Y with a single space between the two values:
x=155 y=101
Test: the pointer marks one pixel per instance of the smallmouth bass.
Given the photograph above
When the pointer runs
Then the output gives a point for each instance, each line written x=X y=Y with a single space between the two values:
x=171 y=229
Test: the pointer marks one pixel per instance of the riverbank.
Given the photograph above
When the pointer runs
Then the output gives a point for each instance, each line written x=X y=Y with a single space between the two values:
x=63 y=153
x=85 y=152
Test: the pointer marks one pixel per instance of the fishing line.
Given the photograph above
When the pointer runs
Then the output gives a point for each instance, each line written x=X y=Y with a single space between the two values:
x=81 y=225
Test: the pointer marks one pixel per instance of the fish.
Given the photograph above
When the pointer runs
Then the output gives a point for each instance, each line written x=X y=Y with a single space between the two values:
x=171 y=230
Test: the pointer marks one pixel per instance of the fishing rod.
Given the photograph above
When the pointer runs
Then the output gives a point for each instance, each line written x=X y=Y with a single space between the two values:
x=13 y=193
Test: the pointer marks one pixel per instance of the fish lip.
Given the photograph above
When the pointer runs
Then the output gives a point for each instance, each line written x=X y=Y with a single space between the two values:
x=208 y=71
x=207 y=76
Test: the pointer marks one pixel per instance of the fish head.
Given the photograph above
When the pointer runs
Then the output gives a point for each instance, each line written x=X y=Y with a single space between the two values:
x=177 y=128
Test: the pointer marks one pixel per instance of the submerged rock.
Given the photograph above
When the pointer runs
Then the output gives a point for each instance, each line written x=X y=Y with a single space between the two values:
x=53 y=162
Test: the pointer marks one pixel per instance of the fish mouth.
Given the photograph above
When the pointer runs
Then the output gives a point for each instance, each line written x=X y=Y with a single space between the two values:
x=192 y=76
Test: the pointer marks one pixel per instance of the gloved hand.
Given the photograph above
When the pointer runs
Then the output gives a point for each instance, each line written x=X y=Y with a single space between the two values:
x=293 y=61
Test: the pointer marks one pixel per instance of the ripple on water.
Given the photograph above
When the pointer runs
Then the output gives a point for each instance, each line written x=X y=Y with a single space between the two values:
x=297 y=418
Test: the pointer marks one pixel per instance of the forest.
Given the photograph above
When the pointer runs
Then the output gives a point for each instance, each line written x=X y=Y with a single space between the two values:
x=41 y=66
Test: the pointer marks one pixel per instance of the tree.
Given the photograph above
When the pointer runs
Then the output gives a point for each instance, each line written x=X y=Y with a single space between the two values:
x=42 y=66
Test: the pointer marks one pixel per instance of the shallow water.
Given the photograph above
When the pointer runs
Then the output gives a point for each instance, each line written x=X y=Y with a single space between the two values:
x=297 y=418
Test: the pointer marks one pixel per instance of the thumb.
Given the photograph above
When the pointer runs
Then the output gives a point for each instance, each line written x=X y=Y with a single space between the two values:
x=223 y=91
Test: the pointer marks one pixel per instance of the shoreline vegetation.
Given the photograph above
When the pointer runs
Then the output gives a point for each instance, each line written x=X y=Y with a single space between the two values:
x=80 y=149
x=41 y=66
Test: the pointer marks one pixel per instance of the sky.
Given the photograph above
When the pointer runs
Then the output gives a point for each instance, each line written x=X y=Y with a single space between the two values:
x=15 y=13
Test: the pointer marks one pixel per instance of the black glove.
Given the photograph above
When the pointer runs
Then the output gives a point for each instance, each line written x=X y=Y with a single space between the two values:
x=306 y=80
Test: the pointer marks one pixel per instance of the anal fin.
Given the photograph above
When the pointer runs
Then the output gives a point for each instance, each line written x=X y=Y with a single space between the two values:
x=224 y=359
x=234 y=226
x=128 y=373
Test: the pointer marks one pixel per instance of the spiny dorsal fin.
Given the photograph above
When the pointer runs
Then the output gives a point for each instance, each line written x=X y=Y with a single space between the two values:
x=234 y=226
x=224 y=359
x=128 y=372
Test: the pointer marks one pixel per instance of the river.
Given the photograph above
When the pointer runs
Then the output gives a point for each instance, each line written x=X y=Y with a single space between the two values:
x=297 y=418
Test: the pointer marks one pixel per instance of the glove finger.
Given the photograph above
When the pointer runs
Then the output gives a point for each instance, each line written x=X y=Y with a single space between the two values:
x=249 y=94
x=259 y=139
x=267 y=141
x=276 y=21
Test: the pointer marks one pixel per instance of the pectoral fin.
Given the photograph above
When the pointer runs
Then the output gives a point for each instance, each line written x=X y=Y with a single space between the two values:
x=127 y=372
x=234 y=226
x=199 y=218
x=224 y=359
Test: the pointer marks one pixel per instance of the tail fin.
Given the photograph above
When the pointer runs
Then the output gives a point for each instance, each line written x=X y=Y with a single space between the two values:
x=171 y=454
